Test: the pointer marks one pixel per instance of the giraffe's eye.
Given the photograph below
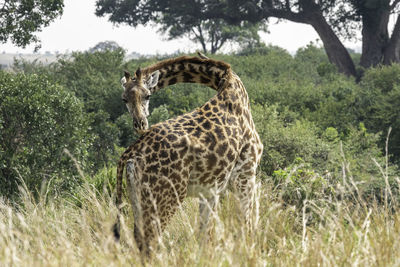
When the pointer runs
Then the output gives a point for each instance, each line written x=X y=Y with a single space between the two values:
x=124 y=100
x=147 y=97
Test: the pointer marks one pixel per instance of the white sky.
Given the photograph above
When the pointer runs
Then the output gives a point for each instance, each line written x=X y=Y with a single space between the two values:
x=80 y=29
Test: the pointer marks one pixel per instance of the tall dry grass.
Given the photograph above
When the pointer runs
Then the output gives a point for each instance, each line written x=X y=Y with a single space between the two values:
x=345 y=230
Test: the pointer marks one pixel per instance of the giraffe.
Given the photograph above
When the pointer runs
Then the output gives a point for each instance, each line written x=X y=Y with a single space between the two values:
x=197 y=154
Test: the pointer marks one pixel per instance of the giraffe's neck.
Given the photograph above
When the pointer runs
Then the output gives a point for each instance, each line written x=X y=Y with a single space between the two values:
x=189 y=70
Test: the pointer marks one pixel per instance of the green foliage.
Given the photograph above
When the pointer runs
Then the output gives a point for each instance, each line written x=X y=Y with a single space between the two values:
x=359 y=159
x=313 y=59
x=105 y=46
x=95 y=79
x=103 y=181
x=159 y=114
x=299 y=182
x=38 y=122
x=305 y=84
x=378 y=104
x=212 y=35
x=358 y=148
x=20 y=20
x=334 y=105
x=182 y=20
x=286 y=139
x=105 y=138
x=34 y=67
x=331 y=134
x=126 y=133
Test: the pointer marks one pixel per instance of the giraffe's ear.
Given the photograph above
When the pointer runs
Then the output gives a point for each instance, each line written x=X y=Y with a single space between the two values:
x=138 y=74
x=152 y=80
x=127 y=75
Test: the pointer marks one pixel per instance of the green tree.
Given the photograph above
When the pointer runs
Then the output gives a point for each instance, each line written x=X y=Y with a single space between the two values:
x=211 y=34
x=332 y=20
x=21 y=19
x=94 y=77
x=38 y=122
x=104 y=46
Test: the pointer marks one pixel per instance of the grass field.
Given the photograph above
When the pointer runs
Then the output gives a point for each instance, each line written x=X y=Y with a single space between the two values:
x=76 y=231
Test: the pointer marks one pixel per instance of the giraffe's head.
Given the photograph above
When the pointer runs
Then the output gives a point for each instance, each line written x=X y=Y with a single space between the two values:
x=136 y=96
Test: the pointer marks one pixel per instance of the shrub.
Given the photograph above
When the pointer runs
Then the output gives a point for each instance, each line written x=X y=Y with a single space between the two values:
x=359 y=157
x=126 y=132
x=299 y=182
x=378 y=105
x=105 y=139
x=286 y=139
x=159 y=114
x=334 y=106
x=38 y=121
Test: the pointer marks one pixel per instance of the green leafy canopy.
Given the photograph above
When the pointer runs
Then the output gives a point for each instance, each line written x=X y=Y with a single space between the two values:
x=20 y=19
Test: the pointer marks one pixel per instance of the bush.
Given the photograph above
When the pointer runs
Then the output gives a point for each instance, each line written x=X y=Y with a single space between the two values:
x=359 y=157
x=299 y=150
x=95 y=79
x=286 y=138
x=38 y=121
x=105 y=140
x=126 y=132
x=334 y=106
x=378 y=105
x=299 y=182
x=159 y=114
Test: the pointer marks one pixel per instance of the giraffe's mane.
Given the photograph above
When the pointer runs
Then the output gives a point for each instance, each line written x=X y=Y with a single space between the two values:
x=186 y=59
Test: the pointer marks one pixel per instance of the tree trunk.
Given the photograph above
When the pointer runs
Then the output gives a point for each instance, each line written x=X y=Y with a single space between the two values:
x=392 y=51
x=375 y=35
x=337 y=53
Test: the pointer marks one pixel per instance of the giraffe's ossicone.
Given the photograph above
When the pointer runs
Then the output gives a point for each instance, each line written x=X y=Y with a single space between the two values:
x=200 y=153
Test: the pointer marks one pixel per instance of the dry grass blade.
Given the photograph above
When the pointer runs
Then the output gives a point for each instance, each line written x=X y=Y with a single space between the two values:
x=77 y=232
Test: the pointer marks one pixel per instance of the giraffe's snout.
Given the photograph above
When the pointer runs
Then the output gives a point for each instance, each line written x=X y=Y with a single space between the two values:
x=141 y=125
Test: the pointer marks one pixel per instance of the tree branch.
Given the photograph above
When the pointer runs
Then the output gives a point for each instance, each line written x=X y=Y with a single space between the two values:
x=212 y=42
x=299 y=17
x=222 y=42
x=199 y=36
x=393 y=5
x=4 y=6
x=287 y=4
